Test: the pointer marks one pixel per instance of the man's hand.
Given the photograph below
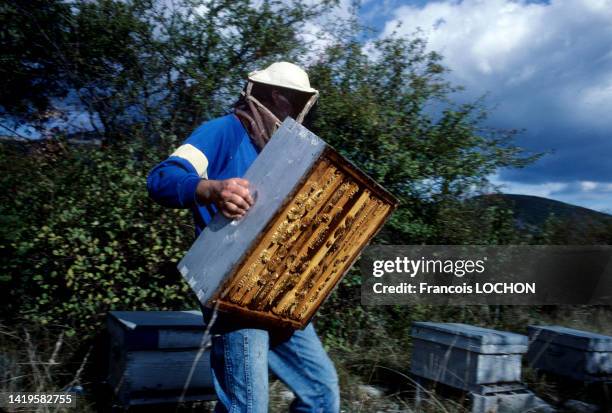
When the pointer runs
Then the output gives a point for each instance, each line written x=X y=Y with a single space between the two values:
x=231 y=196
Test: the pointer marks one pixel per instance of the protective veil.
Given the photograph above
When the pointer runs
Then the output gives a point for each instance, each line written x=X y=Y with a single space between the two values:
x=257 y=118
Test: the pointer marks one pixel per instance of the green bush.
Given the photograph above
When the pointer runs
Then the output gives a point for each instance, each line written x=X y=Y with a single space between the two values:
x=81 y=236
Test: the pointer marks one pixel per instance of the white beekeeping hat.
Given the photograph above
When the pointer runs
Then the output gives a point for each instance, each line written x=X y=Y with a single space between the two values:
x=283 y=74
x=286 y=75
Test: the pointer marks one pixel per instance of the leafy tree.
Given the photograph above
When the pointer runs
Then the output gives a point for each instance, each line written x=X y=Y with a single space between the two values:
x=29 y=68
x=164 y=65
x=79 y=234
x=176 y=63
x=392 y=114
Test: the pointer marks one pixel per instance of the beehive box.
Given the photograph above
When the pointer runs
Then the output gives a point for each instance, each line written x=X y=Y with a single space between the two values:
x=576 y=354
x=314 y=212
x=467 y=357
x=158 y=357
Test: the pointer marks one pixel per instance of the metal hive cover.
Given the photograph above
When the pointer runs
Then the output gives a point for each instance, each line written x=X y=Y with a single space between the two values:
x=569 y=337
x=471 y=338
x=132 y=320
x=223 y=242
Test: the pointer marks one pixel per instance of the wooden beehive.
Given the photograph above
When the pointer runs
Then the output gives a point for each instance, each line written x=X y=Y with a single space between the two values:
x=575 y=354
x=481 y=363
x=314 y=213
x=158 y=357
x=467 y=357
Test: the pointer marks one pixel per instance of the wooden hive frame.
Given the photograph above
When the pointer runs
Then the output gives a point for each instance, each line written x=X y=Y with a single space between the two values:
x=309 y=245
x=306 y=246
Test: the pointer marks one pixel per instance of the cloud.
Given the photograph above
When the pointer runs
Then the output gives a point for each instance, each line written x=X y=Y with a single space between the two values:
x=318 y=34
x=317 y=39
x=547 y=67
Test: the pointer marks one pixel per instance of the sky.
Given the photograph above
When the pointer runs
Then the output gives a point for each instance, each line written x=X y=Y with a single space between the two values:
x=546 y=67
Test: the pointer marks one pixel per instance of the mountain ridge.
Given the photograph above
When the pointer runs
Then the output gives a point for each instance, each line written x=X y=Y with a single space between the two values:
x=531 y=210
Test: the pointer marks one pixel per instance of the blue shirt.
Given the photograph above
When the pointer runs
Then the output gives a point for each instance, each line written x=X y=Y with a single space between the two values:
x=217 y=149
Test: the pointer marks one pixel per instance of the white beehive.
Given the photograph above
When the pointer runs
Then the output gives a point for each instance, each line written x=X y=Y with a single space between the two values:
x=466 y=357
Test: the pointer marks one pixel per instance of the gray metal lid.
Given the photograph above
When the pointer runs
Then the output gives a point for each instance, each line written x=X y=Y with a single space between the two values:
x=471 y=338
x=569 y=337
x=132 y=320
x=222 y=244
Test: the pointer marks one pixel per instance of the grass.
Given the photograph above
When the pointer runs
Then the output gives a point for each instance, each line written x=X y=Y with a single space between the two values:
x=40 y=361
x=373 y=368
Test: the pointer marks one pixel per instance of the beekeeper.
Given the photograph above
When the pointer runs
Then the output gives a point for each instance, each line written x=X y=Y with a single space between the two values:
x=205 y=174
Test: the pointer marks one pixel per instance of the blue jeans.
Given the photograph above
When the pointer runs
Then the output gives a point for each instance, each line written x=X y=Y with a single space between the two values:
x=240 y=361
